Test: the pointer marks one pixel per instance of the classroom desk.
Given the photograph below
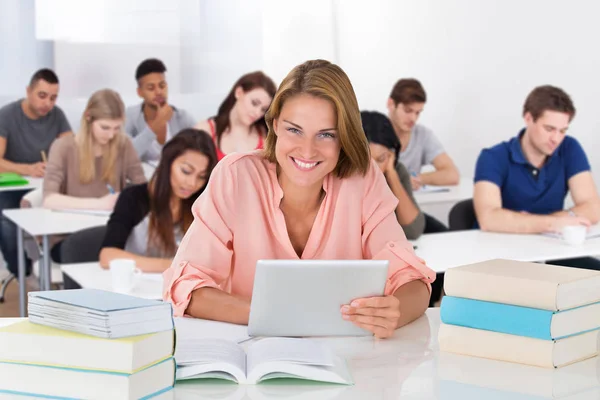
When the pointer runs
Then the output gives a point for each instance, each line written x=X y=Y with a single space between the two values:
x=439 y=204
x=451 y=249
x=410 y=366
x=43 y=222
x=93 y=276
x=34 y=183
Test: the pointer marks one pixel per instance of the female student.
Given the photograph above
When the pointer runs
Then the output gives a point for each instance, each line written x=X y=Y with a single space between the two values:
x=150 y=219
x=239 y=125
x=385 y=147
x=88 y=170
x=279 y=204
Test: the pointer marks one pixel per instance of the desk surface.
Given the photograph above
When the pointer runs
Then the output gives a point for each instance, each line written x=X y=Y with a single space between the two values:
x=451 y=249
x=93 y=276
x=454 y=194
x=34 y=183
x=41 y=221
x=410 y=366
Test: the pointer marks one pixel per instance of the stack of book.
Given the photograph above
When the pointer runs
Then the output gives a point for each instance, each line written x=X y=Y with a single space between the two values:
x=528 y=313
x=89 y=344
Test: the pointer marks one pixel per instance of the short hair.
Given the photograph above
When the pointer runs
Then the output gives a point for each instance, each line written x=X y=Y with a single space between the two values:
x=149 y=66
x=379 y=130
x=44 y=74
x=407 y=91
x=548 y=98
x=325 y=80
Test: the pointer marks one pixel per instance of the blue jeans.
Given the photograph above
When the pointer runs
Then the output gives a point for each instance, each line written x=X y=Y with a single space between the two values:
x=8 y=231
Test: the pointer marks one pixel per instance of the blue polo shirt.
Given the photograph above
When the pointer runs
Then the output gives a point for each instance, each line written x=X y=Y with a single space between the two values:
x=524 y=187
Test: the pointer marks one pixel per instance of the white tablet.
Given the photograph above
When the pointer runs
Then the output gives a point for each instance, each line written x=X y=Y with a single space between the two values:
x=304 y=297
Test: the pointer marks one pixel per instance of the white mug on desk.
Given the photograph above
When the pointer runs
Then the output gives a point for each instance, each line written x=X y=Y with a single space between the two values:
x=124 y=275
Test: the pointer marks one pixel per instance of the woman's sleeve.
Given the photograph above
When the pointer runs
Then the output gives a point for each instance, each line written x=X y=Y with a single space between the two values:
x=56 y=168
x=383 y=238
x=205 y=254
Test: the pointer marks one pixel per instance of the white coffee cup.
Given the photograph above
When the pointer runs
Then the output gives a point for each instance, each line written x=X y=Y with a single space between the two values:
x=124 y=275
x=574 y=234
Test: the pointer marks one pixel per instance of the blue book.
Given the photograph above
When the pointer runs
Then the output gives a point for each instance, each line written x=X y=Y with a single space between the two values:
x=99 y=313
x=517 y=320
x=155 y=381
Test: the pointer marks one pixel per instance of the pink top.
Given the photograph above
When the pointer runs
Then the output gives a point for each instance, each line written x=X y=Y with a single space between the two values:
x=213 y=133
x=237 y=221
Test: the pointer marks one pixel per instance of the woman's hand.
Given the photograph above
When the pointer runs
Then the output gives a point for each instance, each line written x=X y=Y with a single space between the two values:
x=379 y=315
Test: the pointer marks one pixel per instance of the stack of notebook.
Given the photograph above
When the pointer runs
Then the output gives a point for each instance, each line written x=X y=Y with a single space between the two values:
x=527 y=313
x=89 y=344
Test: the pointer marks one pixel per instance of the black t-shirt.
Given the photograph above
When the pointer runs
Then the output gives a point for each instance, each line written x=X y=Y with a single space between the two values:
x=132 y=207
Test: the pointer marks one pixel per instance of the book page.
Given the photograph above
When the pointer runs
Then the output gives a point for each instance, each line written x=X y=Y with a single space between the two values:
x=296 y=351
x=208 y=358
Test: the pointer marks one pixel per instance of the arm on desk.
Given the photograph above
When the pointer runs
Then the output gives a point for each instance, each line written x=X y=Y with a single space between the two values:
x=36 y=170
x=493 y=218
x=445 y=172
x=214 y=304
x=146 y=264
x=585 y=196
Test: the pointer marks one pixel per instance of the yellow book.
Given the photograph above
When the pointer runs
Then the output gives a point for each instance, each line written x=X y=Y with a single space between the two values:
x=28 y=343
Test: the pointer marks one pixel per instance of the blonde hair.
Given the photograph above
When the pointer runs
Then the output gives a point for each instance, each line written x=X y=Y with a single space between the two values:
x=104 y=104
x=325 y=80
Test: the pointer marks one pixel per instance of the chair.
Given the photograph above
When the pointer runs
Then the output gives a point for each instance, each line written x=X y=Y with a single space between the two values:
x=5 y=282
x=462 y=216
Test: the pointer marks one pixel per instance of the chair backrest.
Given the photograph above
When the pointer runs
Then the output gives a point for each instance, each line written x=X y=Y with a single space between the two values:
x=462 y=216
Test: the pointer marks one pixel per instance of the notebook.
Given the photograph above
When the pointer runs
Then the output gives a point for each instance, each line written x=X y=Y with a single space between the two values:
x=99 y=313
x=67 y=383
x=25 y=342
x=12 y=179
x=269 y=358
x=543 y=286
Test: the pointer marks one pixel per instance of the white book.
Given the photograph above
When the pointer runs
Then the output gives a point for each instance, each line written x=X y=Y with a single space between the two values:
x=518 y=349
x=527 y=284
x=102 y=213
x=268 y=358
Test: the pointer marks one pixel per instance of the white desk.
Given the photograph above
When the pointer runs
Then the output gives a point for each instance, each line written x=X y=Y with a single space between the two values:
x=34 y=183
x=43 y=222
x=410 y=366
x=93 y=276
x=451 y=249
x=439 y=204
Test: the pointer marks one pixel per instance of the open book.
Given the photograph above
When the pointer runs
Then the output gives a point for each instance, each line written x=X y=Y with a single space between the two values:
x=265 y=359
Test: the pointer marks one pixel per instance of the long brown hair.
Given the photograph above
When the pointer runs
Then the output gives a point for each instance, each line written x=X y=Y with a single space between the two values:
x=161 y=224
x=247 y=82
x=104 y=104
x=325 y=80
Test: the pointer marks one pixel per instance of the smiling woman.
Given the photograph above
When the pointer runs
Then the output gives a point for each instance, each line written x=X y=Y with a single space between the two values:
x=313 y=193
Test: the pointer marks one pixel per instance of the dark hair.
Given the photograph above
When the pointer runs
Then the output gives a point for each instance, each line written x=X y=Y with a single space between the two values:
x=407 y=91
x=149 y=66
x=548 y=98
x=379 y=130
x=160 y=229
x=247 y=82
x=44 y=74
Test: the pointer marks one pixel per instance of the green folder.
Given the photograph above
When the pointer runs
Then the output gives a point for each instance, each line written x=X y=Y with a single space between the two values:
x=12 y=179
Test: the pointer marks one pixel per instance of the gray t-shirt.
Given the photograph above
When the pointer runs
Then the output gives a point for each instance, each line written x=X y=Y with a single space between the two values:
x=422 y=148
x=26 y=138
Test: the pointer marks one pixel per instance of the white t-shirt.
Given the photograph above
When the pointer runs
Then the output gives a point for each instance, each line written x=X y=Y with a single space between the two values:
x=422 y=148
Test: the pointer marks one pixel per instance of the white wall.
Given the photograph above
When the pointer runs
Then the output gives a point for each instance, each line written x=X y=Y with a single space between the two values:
x=478 y=60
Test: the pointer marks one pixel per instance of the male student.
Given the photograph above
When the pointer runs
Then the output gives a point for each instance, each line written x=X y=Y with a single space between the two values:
x=419 y=145
x=27 y=129
x=155 y=121
x=521 y=184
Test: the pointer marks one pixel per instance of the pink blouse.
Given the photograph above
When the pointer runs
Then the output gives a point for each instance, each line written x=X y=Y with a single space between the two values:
x=237 y=221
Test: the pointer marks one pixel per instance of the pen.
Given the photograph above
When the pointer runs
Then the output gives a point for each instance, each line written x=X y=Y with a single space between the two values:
x=43 y=153
x=110 y=189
